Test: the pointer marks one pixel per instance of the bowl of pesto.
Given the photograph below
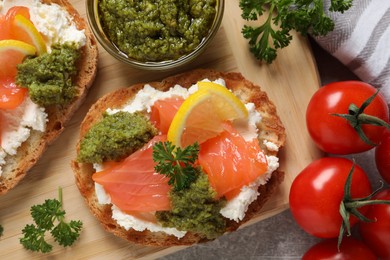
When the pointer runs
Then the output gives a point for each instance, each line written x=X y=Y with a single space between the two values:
x=155 y=35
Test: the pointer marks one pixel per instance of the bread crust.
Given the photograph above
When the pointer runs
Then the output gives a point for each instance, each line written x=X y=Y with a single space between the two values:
x=31 y=150
x=271 y=129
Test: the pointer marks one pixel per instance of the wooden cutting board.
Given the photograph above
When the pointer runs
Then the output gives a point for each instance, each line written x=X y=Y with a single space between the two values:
x=289 y=81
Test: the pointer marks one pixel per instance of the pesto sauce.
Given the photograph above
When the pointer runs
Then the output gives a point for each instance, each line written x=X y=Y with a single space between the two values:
x=156 y=30
x=115 y=137
x=195 y=209
x=48 y=77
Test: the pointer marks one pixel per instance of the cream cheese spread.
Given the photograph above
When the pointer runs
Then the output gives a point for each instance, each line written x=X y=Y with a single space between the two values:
x=128 y=221
x=236 y=208
x=16 y=125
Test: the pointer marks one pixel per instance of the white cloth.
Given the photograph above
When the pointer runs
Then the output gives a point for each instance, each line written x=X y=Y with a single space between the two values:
x=361 y=41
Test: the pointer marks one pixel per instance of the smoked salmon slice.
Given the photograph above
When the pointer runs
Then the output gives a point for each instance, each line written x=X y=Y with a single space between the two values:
x=11 y=95
x=163 y=111
x=7 y=29
x=231 y=162
x=133 y=184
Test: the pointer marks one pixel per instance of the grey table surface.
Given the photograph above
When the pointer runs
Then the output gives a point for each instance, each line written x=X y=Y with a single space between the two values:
x=278 y=237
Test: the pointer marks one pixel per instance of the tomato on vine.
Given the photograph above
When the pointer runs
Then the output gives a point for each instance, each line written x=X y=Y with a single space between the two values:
x=317 y=193
x=350 y=249
x=382 y=157
x=376 y=234
x=347 y=117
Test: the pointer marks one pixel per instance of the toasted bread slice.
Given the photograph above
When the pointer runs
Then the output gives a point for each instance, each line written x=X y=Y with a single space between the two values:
x=270 y=127
x=32 y=149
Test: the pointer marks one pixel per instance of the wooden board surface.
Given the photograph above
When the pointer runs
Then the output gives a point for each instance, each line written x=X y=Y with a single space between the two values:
x=289 y=82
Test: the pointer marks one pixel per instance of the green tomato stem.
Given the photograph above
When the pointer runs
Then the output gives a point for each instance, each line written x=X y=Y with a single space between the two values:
x=349 y=206
x=356 y=118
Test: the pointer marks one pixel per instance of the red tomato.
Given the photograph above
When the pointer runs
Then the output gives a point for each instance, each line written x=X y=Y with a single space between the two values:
x=316 y=194
x=334 y=134
x=382 y=157
x=350 y=249
x=11 y=95
x=377 y=234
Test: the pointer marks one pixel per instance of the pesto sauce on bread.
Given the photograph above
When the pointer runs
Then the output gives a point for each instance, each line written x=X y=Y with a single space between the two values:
x=49 y=77
x=115 y=137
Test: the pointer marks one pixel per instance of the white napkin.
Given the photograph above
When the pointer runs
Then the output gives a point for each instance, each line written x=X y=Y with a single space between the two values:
x=361 y=41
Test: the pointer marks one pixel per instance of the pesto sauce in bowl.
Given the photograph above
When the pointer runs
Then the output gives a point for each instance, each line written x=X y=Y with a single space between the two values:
x=155 y=31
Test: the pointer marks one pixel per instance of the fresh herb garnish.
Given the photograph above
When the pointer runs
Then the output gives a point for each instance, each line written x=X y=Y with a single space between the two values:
x=1 y=230
x=50 y=216
x=176 y=163
x=304 y=16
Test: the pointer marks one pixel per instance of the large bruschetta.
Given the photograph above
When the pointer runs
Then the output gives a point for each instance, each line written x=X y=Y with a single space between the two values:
x=148 y=220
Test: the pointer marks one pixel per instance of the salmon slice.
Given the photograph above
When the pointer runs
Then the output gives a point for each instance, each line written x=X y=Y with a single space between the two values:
x=163 y=111
x=3 y=27
x=230 y=162
x=11 y=95
x=15 y=10
x=133 y=184
x=6 y=22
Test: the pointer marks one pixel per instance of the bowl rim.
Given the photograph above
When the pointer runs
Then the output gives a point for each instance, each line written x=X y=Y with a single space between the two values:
x=96 y=27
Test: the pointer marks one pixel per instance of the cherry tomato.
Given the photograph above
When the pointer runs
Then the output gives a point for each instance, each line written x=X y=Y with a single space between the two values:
x=11 y=95
x=382 y=157
x=316 y=194
x=377 y=234
x=350 y=248
x=333 y=134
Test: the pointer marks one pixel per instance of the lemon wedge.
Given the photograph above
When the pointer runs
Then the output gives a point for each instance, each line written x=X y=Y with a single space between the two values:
x=12 y=52
x=201 y=115
x=28 y=33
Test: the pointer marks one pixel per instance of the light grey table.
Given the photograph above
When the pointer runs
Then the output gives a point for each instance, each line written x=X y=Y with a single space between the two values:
x=278 y=237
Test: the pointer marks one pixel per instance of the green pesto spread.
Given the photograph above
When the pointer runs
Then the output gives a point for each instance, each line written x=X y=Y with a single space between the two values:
x=48 y=77
x=195 y=209
x=148 y=30
x=115 y=137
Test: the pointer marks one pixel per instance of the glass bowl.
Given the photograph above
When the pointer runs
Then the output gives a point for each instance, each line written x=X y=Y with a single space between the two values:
x=96 y=27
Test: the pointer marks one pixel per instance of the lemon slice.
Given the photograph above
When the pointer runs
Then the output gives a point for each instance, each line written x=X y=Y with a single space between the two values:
x=19 y=46
x=201 y=115
x=233 y=110
x=12 y=52
x=28 y=33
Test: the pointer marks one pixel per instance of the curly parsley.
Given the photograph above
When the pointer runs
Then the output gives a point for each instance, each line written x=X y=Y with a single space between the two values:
x=304 y=16
x=176 y=163
x=49 y=216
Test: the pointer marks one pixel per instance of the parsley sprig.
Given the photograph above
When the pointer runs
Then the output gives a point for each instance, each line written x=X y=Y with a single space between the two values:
x=304 y=16
x=176 y=163
x=49 y=216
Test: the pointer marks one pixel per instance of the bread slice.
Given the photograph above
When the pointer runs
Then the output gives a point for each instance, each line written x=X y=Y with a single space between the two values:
x=271 y=129
x=32 y=149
